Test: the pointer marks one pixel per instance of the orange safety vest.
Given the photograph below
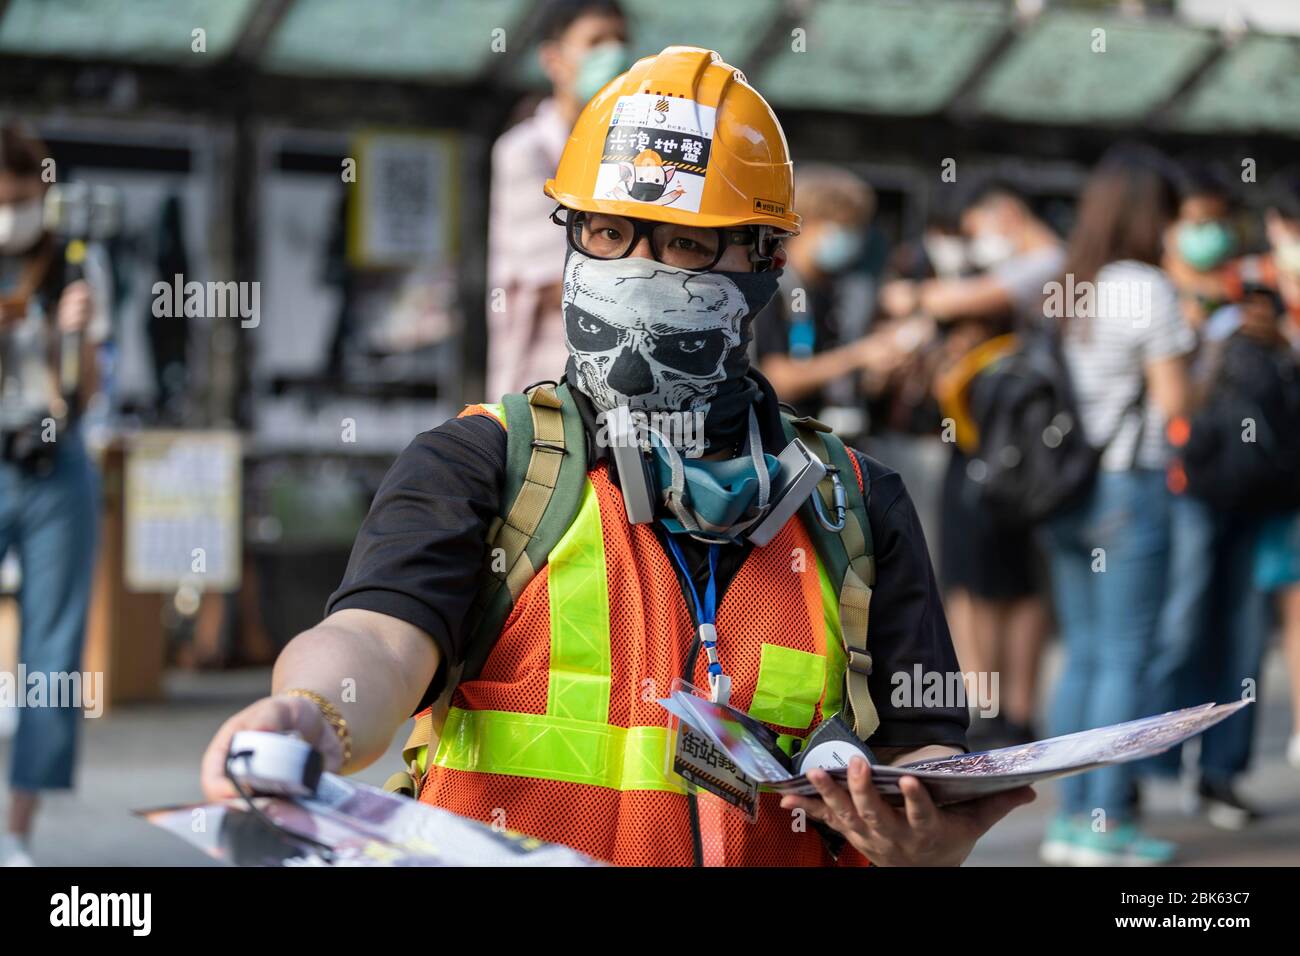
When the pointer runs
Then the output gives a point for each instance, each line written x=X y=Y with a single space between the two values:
x=560 y=736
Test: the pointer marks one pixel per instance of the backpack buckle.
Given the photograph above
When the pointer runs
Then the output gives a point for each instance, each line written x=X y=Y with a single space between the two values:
x=860 y=662
x=839 y=501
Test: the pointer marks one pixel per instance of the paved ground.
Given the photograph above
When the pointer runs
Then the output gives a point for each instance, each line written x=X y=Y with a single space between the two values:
x=147 y=756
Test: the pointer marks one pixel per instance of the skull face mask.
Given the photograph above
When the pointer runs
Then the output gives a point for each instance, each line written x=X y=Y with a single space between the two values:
x=655 y=338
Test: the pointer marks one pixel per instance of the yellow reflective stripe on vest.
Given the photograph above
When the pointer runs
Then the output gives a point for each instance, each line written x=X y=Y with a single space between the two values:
x=790 y=683
x=580 y=644
x=574 y=741
x=836 y=661
x=556 y=748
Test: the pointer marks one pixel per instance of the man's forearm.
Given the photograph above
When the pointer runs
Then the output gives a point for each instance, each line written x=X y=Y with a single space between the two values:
x=375 y=679
x=795 y=379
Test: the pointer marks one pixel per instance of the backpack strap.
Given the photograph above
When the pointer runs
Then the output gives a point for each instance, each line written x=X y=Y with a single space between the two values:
x=546 y=471
x=850 y=561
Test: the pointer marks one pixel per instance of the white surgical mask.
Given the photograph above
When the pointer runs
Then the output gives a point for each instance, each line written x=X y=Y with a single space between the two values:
x=947 y=254
x=1287 y=257
x=990 y=249
x=21 y=226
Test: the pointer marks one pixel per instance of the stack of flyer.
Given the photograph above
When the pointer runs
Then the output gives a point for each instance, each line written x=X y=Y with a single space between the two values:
x=751 y=747
x=348 y=823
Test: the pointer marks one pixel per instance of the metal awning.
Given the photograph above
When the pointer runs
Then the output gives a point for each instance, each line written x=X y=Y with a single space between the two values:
x=147 y=31
x=428 y=40
x=1073 y=68
x=1254 y=86
x=868 y=57
x=874 y=56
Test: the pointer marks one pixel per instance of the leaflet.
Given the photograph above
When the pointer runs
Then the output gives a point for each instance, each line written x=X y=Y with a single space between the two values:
x=752 y=746
x=349 y=823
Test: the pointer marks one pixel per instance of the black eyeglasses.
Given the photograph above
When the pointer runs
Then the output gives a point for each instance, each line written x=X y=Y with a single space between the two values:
x=603 y=236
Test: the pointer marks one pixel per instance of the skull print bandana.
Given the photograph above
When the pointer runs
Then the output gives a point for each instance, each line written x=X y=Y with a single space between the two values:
x=660 y=339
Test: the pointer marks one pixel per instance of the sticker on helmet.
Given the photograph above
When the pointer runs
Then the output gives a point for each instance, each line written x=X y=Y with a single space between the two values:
x=656 y=151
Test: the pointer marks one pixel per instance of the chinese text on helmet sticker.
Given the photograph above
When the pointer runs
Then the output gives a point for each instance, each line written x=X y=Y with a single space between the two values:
x=656 y=151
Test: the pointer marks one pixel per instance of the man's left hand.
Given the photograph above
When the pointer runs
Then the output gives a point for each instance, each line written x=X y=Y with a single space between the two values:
x=919 y=834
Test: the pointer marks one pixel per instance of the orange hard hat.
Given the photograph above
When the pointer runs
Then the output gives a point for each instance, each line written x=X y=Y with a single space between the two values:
x=681 y=137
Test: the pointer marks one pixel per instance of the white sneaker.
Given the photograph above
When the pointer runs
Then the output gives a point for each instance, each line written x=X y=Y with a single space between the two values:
x=13 y=852
x=1293 y=751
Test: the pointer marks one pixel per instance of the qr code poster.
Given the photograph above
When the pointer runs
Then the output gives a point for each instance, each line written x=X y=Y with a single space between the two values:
x=403 y=208
x=656 y=151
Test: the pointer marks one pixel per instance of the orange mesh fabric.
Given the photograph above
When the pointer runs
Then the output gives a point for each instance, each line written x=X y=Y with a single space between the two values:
x=515 y=676
x=635 y=827
x=857 y=469
x=477 y=410
x=775 y=598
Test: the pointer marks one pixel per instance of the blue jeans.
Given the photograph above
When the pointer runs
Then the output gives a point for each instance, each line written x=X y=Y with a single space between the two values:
x=1173 y=677
x=51 y=522
x=1214 y=633
x=1108 y=615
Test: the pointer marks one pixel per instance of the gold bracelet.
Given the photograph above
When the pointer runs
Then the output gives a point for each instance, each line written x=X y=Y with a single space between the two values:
x=332 y=717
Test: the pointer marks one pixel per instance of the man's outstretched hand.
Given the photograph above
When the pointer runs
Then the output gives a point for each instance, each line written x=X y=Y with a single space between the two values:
x=919 y=834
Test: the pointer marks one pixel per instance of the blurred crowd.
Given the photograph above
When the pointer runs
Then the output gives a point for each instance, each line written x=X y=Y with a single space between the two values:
x=1169 y=312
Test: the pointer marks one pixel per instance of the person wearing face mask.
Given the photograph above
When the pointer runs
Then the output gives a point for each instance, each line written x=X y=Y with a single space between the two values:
x=1013 y=250
x=810 y=341
x=1277 y=559
x=48 y=490
x=1201 y=245
x=989 y=568
x=530 y=584
x=584 y=46
x=1126 y=361
x=1214 y=628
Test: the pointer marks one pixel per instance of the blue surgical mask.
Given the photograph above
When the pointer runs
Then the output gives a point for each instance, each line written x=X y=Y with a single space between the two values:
x=838 y=248
x=1204 y=245
x=715 y=500
x=717 y=492
x=599 y=65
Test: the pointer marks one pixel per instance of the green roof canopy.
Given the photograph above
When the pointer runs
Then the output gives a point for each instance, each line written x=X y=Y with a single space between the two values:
x=1056 y=73
x=1254 y=86
x=145 y=30
x=392 y=39
x=882 y=57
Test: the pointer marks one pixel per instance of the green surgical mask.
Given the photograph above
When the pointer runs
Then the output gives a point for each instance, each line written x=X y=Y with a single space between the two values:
x=599 y=65
x=1203 y=245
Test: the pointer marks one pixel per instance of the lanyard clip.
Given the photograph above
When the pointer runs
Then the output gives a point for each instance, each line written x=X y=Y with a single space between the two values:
x=719 y=683
x=720 y=689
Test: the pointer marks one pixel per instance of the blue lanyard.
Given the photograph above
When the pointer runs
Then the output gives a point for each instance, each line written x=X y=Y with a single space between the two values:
x=706 y=613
